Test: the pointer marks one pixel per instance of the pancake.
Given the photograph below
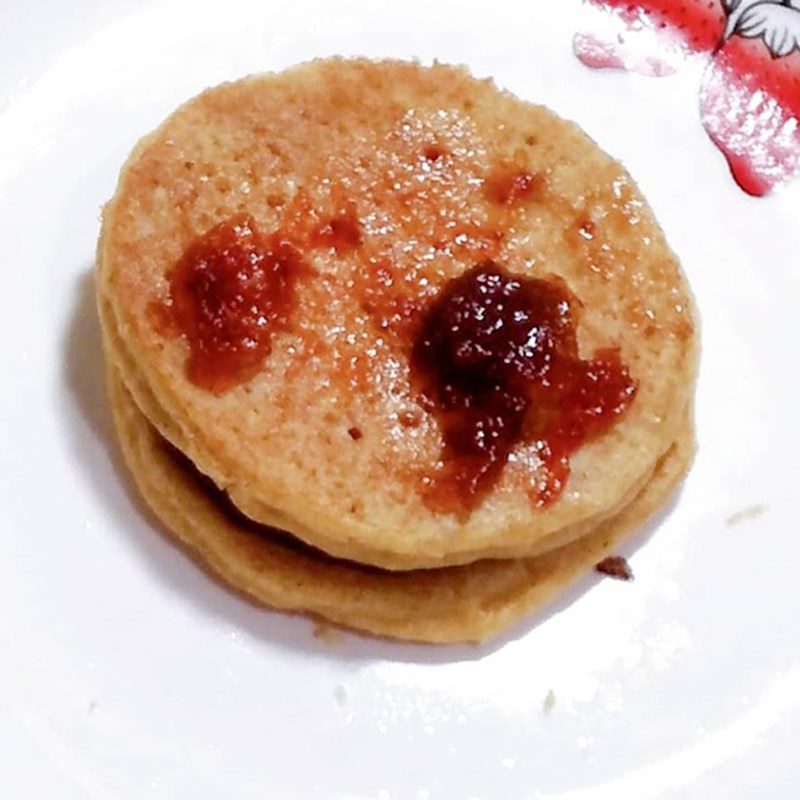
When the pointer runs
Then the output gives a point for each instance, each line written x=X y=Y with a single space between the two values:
x=148 y=405
x=451 y=604
x=378 y=184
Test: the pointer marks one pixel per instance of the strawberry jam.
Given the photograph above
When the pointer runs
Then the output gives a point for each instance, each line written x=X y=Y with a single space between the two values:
x=496 y=358
x=229 y=292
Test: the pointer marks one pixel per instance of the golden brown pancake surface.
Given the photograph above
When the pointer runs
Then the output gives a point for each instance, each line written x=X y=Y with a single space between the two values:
x=369 y=187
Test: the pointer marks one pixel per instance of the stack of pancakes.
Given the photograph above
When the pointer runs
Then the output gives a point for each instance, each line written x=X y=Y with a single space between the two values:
x=300 y=478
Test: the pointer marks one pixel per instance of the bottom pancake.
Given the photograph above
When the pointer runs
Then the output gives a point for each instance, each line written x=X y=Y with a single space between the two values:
x=449 y=604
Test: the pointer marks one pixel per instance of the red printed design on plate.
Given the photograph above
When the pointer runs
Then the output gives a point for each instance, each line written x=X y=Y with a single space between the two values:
x=750 y=90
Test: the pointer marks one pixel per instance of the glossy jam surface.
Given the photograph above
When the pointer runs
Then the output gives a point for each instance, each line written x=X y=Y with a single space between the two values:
x=496 y=358
x=228 y=293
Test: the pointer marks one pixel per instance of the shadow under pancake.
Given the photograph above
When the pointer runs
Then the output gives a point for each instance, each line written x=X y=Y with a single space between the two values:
x=85 y=380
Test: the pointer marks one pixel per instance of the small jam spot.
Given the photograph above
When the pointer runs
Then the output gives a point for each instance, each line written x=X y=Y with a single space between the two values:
x=508 y=185
x=342 y=233
x=586 y=229
x=615 y=567
x=434 y=152
x=230 y=290
x=355 y=433
x=409 y=419
x=496 y=359
x=162 y=318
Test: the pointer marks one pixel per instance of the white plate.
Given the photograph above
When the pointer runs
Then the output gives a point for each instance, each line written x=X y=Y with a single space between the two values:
x=126 y=673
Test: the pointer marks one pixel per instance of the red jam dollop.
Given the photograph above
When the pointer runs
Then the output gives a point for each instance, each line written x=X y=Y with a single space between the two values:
x=229 y=292
x=496 y=357
x=434 y=152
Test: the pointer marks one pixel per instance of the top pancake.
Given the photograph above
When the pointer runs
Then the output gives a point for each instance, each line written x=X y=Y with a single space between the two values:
x=329 y=436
